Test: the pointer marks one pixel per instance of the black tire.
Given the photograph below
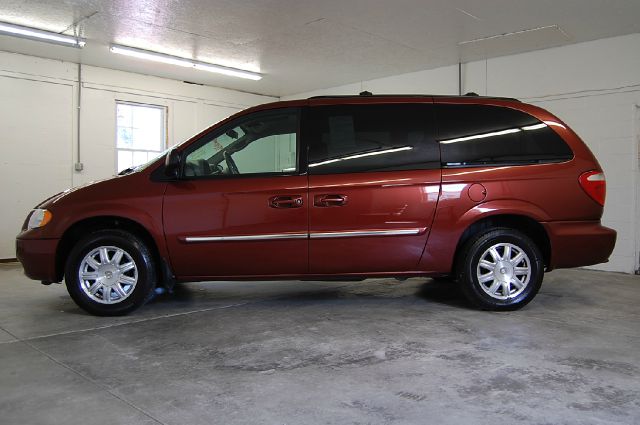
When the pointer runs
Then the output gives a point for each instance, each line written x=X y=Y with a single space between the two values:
x=505 y=296
x=135 y=251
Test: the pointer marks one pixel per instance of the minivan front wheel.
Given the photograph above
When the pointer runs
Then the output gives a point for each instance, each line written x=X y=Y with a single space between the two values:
x=110 y=272
x=501 y=269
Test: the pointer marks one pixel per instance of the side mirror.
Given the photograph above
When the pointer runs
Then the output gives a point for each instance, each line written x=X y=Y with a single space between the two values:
x=172 y=164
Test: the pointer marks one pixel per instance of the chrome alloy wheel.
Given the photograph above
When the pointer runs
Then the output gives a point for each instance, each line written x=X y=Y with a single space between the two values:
x=504 y=271
x=108 y=274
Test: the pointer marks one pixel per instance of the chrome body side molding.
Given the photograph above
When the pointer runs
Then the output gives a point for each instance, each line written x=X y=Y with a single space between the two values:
x=313 y=235
x=361 y=233
x=264 y=237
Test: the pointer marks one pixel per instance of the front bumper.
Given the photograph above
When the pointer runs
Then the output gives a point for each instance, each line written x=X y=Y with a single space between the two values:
x=38 y=258
x=579 y=243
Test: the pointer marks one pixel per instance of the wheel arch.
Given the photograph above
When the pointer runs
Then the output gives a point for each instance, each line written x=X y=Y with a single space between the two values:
x=85 y=226
x=523 y=223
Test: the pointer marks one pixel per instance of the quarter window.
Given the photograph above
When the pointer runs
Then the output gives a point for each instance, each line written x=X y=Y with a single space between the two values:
x=141 y=134
x=361 y=138
x=471 y=135
x=262 y=143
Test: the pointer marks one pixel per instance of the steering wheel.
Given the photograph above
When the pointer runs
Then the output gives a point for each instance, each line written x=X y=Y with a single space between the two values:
x=231 y=164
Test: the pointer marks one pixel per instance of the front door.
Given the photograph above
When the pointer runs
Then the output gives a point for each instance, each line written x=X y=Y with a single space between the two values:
x=374 y=182
x=240 y=207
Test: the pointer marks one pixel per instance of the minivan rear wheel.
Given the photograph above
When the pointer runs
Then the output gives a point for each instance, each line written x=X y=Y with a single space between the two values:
x=501 y=269
x=110 y=273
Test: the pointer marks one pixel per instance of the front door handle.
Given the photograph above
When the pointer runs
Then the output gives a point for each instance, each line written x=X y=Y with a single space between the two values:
x=329 y=200
x=294 y=201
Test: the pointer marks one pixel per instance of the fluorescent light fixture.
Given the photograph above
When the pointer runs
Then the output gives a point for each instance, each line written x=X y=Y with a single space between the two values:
x=156 y=57
x=187 y=63
x=233 y=72
x=40 y=35
x=362 y=155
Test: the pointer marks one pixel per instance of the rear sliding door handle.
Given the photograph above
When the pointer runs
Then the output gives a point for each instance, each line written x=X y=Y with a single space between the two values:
x=329 y=200
x=294 y=201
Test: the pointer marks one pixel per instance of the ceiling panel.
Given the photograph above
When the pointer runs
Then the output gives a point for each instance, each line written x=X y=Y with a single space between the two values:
x=302 y=45
x=514 y=42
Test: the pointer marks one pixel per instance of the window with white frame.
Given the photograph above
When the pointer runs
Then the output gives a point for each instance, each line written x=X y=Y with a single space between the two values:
x=141 y=133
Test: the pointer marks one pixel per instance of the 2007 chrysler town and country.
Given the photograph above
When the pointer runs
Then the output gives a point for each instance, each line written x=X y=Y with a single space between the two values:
x=491 y=192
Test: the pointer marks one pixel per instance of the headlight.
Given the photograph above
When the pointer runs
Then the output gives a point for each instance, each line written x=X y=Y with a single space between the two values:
x=39 y=218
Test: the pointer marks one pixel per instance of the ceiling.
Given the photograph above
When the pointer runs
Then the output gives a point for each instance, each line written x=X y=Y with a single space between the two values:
x=302 y=45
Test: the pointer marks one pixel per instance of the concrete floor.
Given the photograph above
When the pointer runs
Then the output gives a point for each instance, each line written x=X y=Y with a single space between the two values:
x=374 y=352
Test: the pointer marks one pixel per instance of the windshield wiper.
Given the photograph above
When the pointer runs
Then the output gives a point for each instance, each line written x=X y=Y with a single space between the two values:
x=127 y=171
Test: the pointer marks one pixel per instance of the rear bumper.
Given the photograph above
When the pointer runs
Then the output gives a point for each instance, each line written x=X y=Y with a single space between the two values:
x=579 y=243
x=38 y=258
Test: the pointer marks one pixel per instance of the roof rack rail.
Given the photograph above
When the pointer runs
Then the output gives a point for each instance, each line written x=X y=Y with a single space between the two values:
x=369 y=94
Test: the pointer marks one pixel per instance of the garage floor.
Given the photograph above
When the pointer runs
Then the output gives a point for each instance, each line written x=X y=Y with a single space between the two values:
x=373 y=352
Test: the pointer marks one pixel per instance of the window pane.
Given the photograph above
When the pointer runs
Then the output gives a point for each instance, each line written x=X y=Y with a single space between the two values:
x=147 y=139
x=139 y=158
x=148 y=128
x=482 y=134
x=260 y=143
x=258 y=157
x=125 y=160
x=360 y=138
x=124 y=115
x=140 y=128
x=125 y=137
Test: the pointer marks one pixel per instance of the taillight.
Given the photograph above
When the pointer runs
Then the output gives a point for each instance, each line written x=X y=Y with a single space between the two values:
x=594 y=183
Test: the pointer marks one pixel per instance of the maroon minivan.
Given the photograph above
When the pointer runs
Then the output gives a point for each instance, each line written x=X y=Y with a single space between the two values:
x=489 y=192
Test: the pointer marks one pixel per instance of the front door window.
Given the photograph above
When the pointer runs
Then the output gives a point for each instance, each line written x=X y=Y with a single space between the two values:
x=261 y=144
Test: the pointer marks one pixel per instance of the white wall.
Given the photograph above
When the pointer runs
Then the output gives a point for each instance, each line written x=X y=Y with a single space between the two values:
x=36 y=148
x=594 y=87
x=38 y=101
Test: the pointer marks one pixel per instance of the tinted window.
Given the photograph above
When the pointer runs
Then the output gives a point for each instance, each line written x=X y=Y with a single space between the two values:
x=256 y=144
x=359 y=138
x=484 y=135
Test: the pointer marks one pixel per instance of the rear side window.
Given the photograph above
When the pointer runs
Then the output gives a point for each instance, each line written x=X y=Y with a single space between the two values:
x=471 y=135
x=361 y=138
